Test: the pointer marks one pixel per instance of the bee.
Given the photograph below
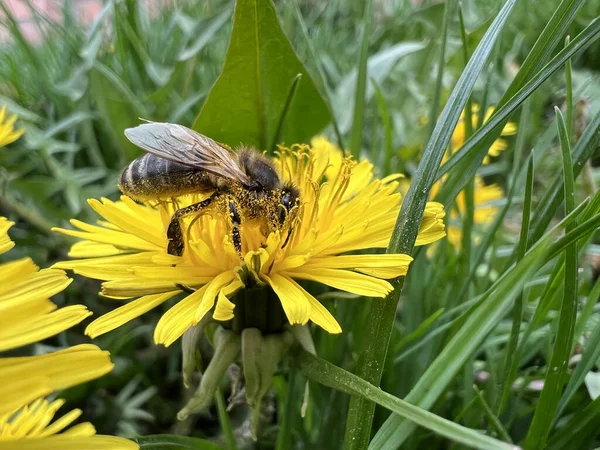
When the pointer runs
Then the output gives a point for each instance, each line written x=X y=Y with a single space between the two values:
x=244 y=185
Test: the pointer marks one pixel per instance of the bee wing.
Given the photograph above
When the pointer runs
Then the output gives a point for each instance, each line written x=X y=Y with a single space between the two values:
x=185 y=146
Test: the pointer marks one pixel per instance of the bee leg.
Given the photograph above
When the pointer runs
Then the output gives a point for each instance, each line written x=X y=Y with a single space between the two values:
x=174 y=233
x=236 y=221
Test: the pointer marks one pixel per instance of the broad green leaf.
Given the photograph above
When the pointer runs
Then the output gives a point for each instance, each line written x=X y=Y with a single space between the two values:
x=246 y=103
x=119 y=107
x=174 y=442
x=335 y=377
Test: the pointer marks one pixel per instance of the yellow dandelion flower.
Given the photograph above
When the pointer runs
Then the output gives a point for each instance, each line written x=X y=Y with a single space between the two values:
x=459 y=135
x=484 y=195
x=26 y=313
x=344 y=209
x=30 y=429
x=486 y=207
x=26 y=316
x=7 y=132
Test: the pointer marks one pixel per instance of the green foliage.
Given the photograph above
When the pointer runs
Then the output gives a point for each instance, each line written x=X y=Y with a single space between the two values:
x=247 y=102
x=490 y=341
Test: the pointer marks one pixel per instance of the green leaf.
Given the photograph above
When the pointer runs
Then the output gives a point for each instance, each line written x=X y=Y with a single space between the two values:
x=511 y=356
x=174 y=442
x=324 y=372
x=579 y=430
x=383 y=311
x=119 y=107
x=358 y=120
x=483 y=318
x=379 y=66
x=591 y=354
x=470 y=155
x=559 y=361
x=246 y=102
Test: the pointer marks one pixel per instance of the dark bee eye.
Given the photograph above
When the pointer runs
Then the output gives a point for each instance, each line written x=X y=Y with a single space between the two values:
x=284 y=206
x=286 y=199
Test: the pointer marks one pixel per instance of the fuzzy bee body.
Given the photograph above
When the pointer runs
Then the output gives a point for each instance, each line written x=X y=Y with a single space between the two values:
x=150 y=177
x=245 y=185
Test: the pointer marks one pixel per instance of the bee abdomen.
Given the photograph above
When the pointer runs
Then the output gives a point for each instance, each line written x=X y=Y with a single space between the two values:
x=150 y=177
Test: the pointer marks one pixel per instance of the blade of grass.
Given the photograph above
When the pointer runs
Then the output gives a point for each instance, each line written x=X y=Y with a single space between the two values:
x=358 y=120
x=284 y=112
x=482 y=319
x=582 y=151
x=582 y=427
x=511 y=356
x=437 y=93
x=321 y=80
x=569 y=96
x=591 y=353
x=224 y=421
x=470 y=155
x=540 y=53
x=386 y=121
x=492 y=418
x=383 y=311
x=325 y=373
x=558 y=365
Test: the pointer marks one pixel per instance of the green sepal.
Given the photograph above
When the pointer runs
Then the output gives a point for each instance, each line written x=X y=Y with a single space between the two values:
x=191 y=360
x=227 y=348
x=260 y=356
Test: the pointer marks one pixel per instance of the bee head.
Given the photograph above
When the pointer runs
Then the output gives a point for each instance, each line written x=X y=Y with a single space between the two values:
x=290 y=198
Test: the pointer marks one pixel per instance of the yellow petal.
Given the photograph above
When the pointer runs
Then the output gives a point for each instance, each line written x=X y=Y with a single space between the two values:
x=66 y=442
x=5 y=242
x=42 y=327
x=126 y=313
x=224 y=309
x=17 y=392
x=125 y=219
x=137 y=287
x=294 y=302
x=360 y=261
x=64 y=368
x=319 y=314
x=345 y=280
x=212 y=289
x=178 y=319
x=61 y=423
x=42 y=284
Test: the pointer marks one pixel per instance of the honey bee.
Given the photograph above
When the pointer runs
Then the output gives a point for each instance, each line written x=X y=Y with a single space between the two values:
x=243 y=185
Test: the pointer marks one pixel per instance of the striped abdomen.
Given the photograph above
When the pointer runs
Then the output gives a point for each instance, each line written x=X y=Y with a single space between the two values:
x=150 y=177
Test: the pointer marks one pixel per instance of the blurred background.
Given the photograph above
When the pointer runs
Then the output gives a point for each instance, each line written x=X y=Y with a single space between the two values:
x=78 y=72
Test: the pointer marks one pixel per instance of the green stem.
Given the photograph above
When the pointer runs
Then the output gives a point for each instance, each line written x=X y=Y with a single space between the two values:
x=224 y=421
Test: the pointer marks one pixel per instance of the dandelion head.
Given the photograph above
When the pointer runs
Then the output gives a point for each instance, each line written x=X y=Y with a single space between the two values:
x=343 y=209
